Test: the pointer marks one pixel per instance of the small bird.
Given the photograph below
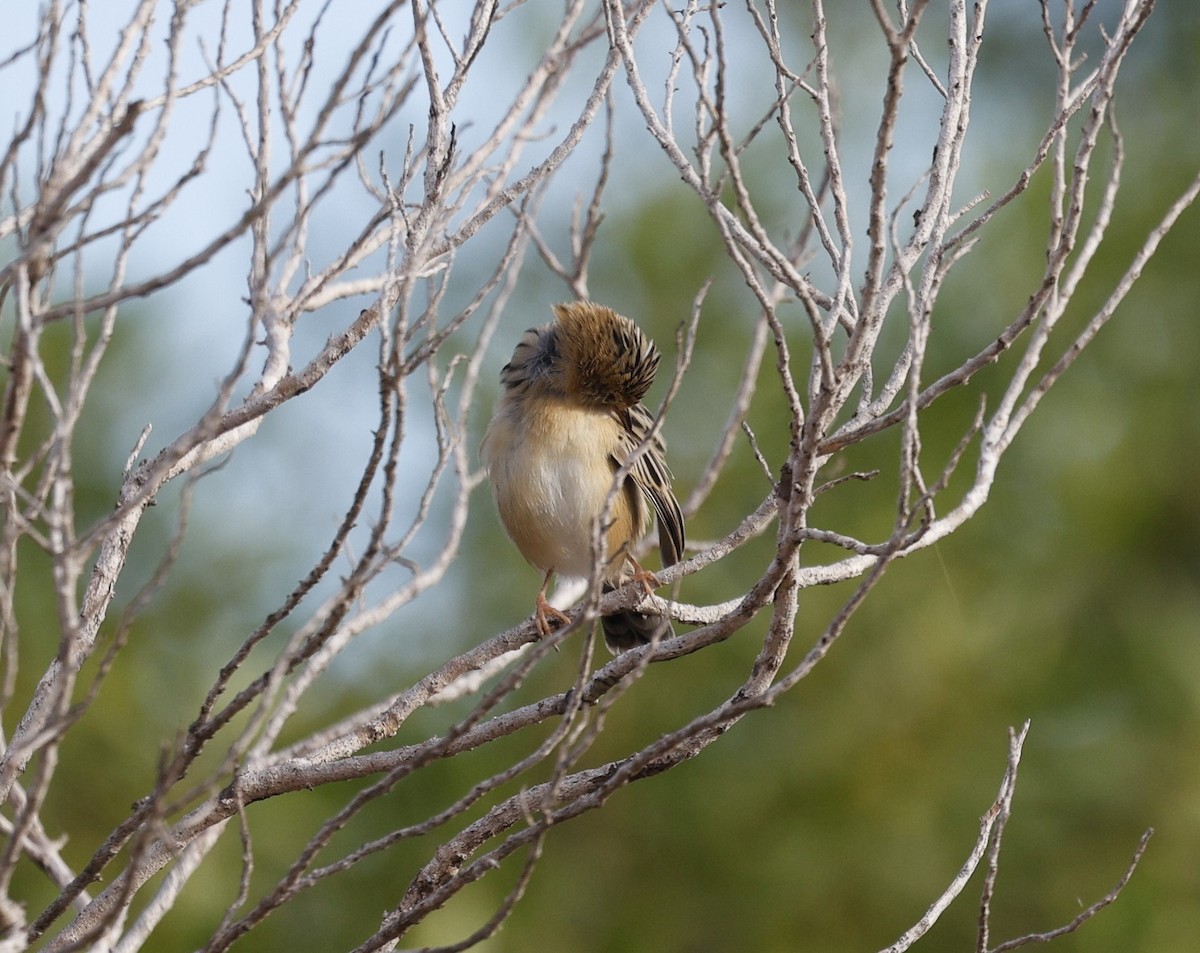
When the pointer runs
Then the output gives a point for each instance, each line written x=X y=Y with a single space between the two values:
x=569 y=416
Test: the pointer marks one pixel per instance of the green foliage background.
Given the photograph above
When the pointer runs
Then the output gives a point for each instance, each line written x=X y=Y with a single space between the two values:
x=830 y=822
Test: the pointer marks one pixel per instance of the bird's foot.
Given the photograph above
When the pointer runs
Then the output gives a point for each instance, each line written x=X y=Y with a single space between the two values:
x=644 y=577
x=544 y=612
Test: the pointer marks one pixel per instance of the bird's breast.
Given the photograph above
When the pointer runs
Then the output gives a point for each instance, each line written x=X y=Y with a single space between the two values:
x=551 y=472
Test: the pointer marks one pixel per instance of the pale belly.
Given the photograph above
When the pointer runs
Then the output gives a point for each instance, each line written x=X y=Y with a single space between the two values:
x=552 y=478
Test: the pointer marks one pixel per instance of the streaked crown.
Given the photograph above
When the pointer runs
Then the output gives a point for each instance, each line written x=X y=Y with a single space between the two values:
x=605 y=359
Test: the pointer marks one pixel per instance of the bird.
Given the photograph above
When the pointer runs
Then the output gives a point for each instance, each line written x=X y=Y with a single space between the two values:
x=569 y=416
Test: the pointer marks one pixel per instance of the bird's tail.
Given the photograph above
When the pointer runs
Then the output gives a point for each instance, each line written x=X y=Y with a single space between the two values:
x=628 y=629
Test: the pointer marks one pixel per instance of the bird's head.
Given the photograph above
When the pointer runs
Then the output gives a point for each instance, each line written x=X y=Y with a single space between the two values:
x=604 y=358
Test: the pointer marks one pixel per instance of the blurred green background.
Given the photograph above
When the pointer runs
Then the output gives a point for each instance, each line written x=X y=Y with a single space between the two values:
x=830 y=822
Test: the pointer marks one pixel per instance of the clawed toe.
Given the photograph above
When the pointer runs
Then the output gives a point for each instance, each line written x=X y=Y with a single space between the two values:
x=544 y=612
x=644 y=577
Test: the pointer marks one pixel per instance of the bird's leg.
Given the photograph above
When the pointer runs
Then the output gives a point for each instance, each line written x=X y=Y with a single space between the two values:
x=642 y=576
x=543 y=609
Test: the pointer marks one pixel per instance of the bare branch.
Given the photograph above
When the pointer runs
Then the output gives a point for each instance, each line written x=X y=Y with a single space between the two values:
x=365 y=208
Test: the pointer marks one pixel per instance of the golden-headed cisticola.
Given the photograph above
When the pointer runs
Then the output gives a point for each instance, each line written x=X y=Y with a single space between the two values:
x=569 y=416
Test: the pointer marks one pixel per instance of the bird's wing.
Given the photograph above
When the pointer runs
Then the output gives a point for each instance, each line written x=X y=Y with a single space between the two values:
x=651 y=475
